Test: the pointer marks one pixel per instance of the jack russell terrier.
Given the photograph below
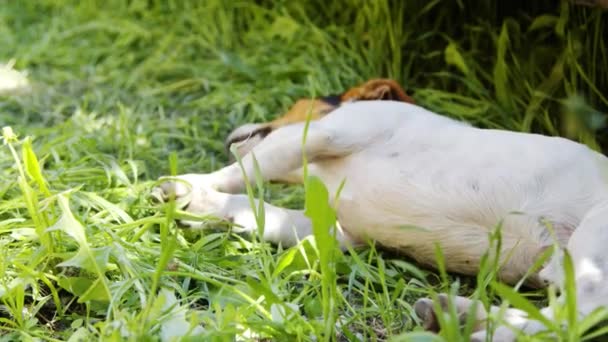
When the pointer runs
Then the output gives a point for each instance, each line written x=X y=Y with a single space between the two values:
x=404 y=166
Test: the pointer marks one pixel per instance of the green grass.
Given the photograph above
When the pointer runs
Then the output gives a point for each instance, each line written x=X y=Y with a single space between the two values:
x=125 y=91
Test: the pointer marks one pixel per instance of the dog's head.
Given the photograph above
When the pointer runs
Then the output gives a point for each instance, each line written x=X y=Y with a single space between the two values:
x=247 y=136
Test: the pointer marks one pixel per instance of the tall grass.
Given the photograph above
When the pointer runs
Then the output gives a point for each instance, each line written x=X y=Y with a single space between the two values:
x=118 y=87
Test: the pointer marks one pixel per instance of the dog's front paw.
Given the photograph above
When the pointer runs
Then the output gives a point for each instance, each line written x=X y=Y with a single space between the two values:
x=195 y=193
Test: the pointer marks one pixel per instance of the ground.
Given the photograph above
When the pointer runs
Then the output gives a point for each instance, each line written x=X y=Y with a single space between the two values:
x=102 y=97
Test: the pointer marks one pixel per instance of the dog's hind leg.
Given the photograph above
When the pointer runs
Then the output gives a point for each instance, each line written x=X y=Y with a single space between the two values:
x=518 y=319
x=425 y=310
x=587 y=248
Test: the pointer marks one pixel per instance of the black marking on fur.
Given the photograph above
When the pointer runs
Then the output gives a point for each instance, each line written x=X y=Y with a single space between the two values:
x=262 y=132
x=392 y=95
x=333 y=100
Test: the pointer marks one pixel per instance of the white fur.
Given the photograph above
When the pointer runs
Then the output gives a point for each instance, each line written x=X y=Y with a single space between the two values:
x=407 y=167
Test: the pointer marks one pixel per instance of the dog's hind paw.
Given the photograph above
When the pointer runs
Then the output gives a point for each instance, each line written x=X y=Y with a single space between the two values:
x=517 y=321
x=501 y=334
x=426 y=313
x=425 y=310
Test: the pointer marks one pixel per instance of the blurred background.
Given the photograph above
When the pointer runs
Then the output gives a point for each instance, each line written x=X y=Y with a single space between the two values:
x=198 y=68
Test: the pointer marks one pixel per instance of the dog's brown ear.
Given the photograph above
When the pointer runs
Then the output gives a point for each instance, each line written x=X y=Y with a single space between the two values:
x=377 y=89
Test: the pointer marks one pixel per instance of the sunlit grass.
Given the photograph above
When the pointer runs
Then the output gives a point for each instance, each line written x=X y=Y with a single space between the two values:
x=116 y=88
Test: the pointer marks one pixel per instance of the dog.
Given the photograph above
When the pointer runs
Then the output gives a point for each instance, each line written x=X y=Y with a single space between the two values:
x=398 y=165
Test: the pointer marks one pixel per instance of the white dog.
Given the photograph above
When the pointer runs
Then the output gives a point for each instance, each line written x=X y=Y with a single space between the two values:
x=406 y=166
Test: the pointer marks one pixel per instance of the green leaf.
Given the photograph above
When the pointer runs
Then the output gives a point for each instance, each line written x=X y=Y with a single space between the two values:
x=592 y=320
x=501 y=75
x=76 y=285
x=114 y=210
x=601 y=332
x=570 y=291
x=120 y=175
x=313 y=306
x=454 y=58
x=543 y=21
x=32 y=167
x=284 y=27
x=85 y=259
x=96 y=292
x=323 y=219
x=409 y=268
x=562 y=22
x=284 y=260
x=321 y=214
x=81 y=334
x=518 y=301
x=283 y=312
x=417 y=336
x=68 y=224
x=262 y=289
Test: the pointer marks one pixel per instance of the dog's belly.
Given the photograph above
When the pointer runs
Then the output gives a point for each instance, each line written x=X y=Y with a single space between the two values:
x=409 y=194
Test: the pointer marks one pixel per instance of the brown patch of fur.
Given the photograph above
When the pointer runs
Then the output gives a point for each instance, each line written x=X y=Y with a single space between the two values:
x=300 y=111
x=377 y=89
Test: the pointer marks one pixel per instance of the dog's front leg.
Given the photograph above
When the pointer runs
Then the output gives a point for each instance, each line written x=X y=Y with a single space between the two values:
x=278 y=155
x=286 y=227
x=281 y=226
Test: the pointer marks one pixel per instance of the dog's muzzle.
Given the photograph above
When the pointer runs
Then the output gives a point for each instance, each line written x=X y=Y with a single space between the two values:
x=244 y=138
